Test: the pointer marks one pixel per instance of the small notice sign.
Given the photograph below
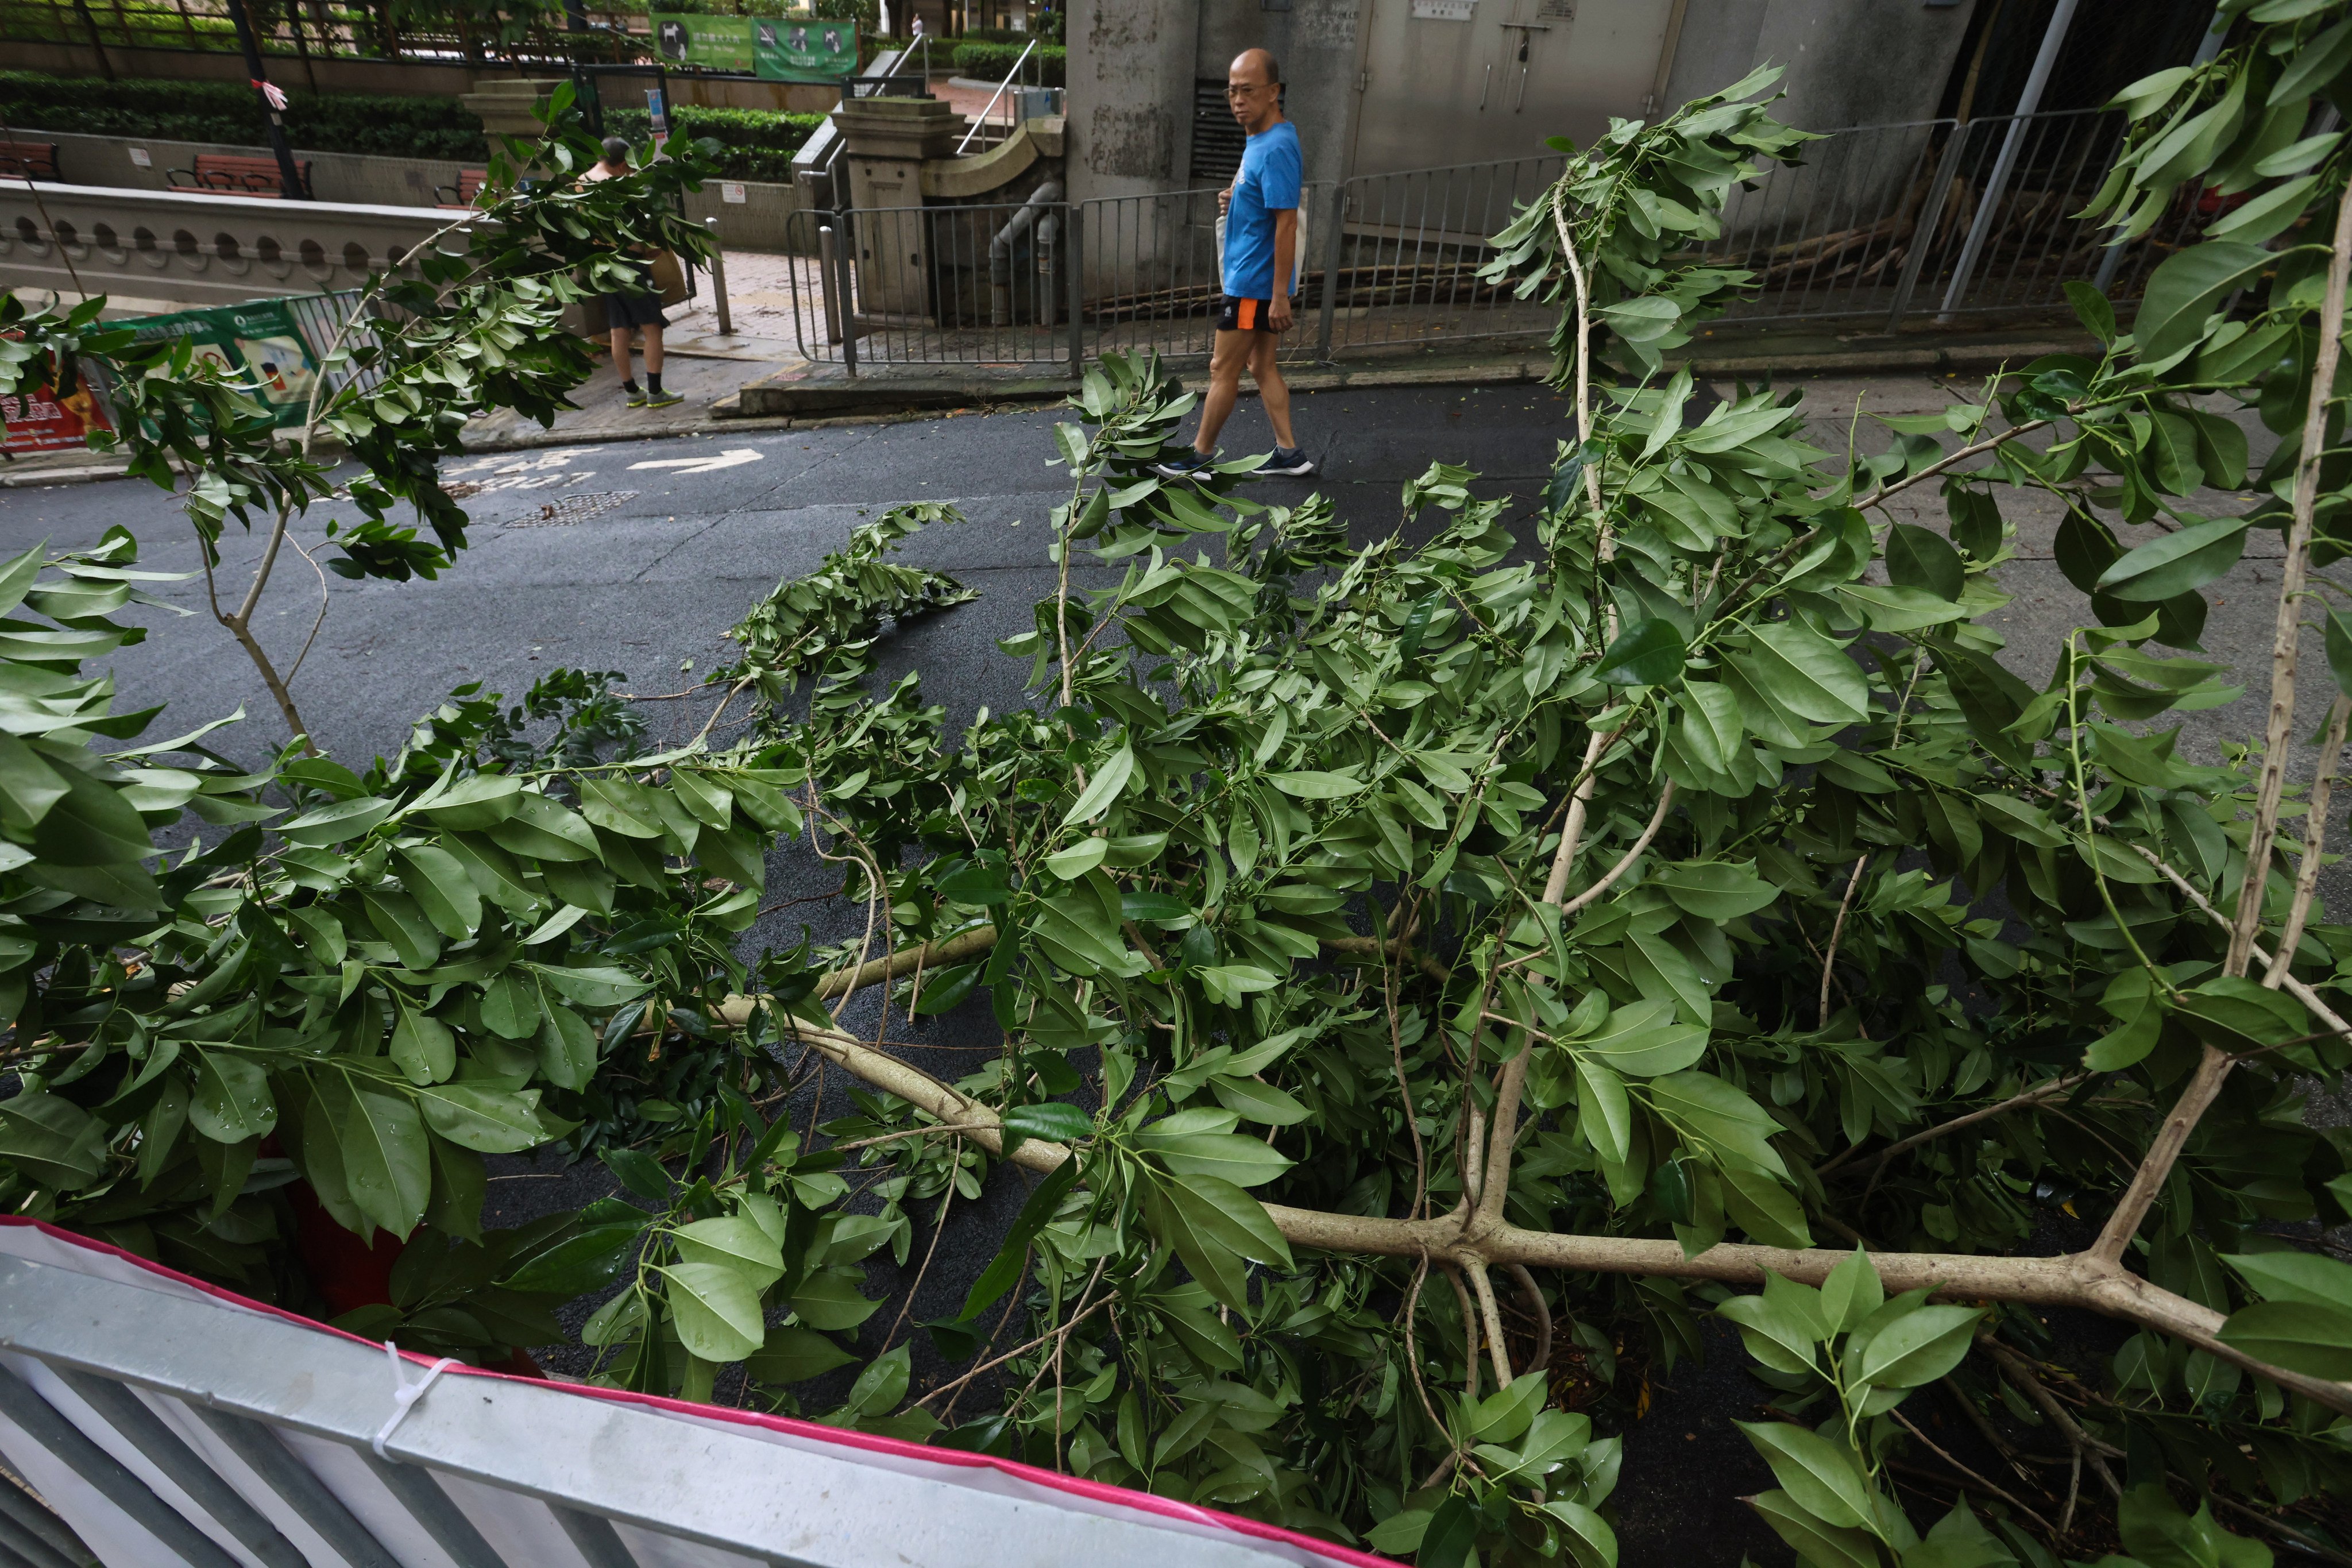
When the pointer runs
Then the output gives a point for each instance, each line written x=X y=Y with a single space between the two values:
x=1445 y=10
x=139 y=159
x=731 y=191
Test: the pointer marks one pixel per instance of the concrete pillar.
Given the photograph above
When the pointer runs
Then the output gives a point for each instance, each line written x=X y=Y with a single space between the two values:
x=1130 y=121
x=505 y=106
x=884 y=141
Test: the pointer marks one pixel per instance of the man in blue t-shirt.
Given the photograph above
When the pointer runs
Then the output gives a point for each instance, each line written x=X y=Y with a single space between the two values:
x=1260 y=270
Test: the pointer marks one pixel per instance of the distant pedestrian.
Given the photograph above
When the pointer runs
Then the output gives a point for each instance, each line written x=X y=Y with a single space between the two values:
x=1259 y=270
x=636 y=309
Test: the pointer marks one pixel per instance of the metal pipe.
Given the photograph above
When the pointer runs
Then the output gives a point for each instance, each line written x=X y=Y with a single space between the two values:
x=1000 y=251
x=1332 y=273
x=826 y=246
x=1989 y=204
x=1027 y=50
x=718 y=280
x=106 y=1475
x=844 y=286
x=1073 y=265
x=1048 y=231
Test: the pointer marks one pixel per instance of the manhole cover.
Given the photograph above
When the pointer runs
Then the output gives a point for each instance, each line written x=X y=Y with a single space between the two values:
x=567 y=509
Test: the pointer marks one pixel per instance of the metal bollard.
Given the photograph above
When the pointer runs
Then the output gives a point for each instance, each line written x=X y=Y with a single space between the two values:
x=825 y=244
x=719 y=280
x=846 y=289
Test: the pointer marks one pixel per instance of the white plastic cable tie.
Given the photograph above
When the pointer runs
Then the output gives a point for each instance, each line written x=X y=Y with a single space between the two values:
x=404 y=1393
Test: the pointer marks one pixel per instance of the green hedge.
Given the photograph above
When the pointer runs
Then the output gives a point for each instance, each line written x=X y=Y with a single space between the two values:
x=989 y=62
x=230 y=112
x=755 y=143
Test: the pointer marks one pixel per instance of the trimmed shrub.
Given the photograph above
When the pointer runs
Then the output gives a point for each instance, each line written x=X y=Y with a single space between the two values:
x=989 y=62
x=226 y=111
x=754 y=143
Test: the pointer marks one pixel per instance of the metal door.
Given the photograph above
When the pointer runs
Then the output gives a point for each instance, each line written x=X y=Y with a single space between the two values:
x=1461 y=81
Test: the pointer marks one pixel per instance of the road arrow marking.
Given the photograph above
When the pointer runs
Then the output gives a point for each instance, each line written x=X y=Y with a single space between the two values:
x=734 y=458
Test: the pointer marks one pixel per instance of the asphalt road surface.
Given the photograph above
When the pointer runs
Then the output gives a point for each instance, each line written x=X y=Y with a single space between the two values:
x=656 y=547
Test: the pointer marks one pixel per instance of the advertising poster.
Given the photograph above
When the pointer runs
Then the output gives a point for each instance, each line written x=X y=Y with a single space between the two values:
x=258 y=341
x=787 y=49
x=41 y=421
x=706 y=43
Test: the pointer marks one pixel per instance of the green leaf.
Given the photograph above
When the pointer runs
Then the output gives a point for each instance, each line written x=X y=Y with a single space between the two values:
x=388 y=1166
x=1232 y=1157
x=1714 y=890
x=716 y=1311
x=732 y=1241
x=2294 y=1277
x=1079 y=858
x=2188 y=286
x=1259 y=1102
x=2175 y=563
x=795 y=1354
x=1920 y=1346
x=1705 y=1107
x=2311 y=1337
x=485 y=1119
x=1108 y=784
x=1588 y=1538
x=828 y=1300
x=1643 y=1040
x=482 y=801
x=1053 y=1121
x=1807 y=673
x=1603 y=1114
x=1215 y=1228
x=422 y=1046
x=1916 y=558
x=945 y=989
x=1851 y=1292
x=441 y=888
x=52 y=1141
x=335 y=823
x=231 y=1102
x=1317 y=785
x=1817 y=1543
x=1003 y=1270
x=1824 y=1478
x=1648 y=653
x=2090 y=308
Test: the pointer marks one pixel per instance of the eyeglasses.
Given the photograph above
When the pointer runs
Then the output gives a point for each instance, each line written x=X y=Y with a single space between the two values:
x=1243 y=90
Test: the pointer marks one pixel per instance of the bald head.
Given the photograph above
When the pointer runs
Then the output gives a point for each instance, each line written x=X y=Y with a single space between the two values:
x=1257 y=66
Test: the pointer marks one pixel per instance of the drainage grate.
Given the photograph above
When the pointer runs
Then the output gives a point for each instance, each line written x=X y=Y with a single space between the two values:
x=571 y=508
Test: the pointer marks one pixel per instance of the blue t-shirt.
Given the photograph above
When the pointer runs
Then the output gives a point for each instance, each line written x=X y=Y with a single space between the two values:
x=1267 y=185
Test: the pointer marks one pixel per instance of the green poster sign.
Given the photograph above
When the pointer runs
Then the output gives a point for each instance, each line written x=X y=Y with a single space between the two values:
x=777 y=48
x=258 y=341
x=710 y=42
x=791 y=50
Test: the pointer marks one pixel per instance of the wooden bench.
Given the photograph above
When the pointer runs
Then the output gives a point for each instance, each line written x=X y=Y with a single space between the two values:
x=239 y=176
x=465 y=191
x=29 y=160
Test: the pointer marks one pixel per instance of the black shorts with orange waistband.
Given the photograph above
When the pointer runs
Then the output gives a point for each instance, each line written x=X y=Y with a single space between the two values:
x=1244 y=315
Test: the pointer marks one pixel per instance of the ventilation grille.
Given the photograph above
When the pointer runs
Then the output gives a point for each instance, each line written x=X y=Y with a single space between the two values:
x=1217 y=137
x=571 y=508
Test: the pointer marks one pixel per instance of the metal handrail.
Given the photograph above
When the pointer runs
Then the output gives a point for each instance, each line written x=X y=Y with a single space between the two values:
x=1026 y=51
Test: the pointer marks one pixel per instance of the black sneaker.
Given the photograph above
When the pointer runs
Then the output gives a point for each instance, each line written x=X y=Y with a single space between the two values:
x=1187 y=464
x=1286 y=463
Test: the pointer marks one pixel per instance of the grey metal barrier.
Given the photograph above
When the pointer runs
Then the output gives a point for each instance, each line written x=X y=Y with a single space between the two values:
x=986 y=284
x=147 y=1424
x=326 y=323
x=1152 y=276
x=1891 y=221
x=1404 y=253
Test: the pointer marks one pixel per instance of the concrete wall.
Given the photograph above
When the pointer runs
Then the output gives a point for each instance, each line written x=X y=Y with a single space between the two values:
x=1130 y=121
x=1317 y=44
x=401 y=77
x=1847 y=62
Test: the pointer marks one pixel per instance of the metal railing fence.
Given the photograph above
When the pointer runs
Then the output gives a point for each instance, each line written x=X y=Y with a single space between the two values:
x=1891 y=223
